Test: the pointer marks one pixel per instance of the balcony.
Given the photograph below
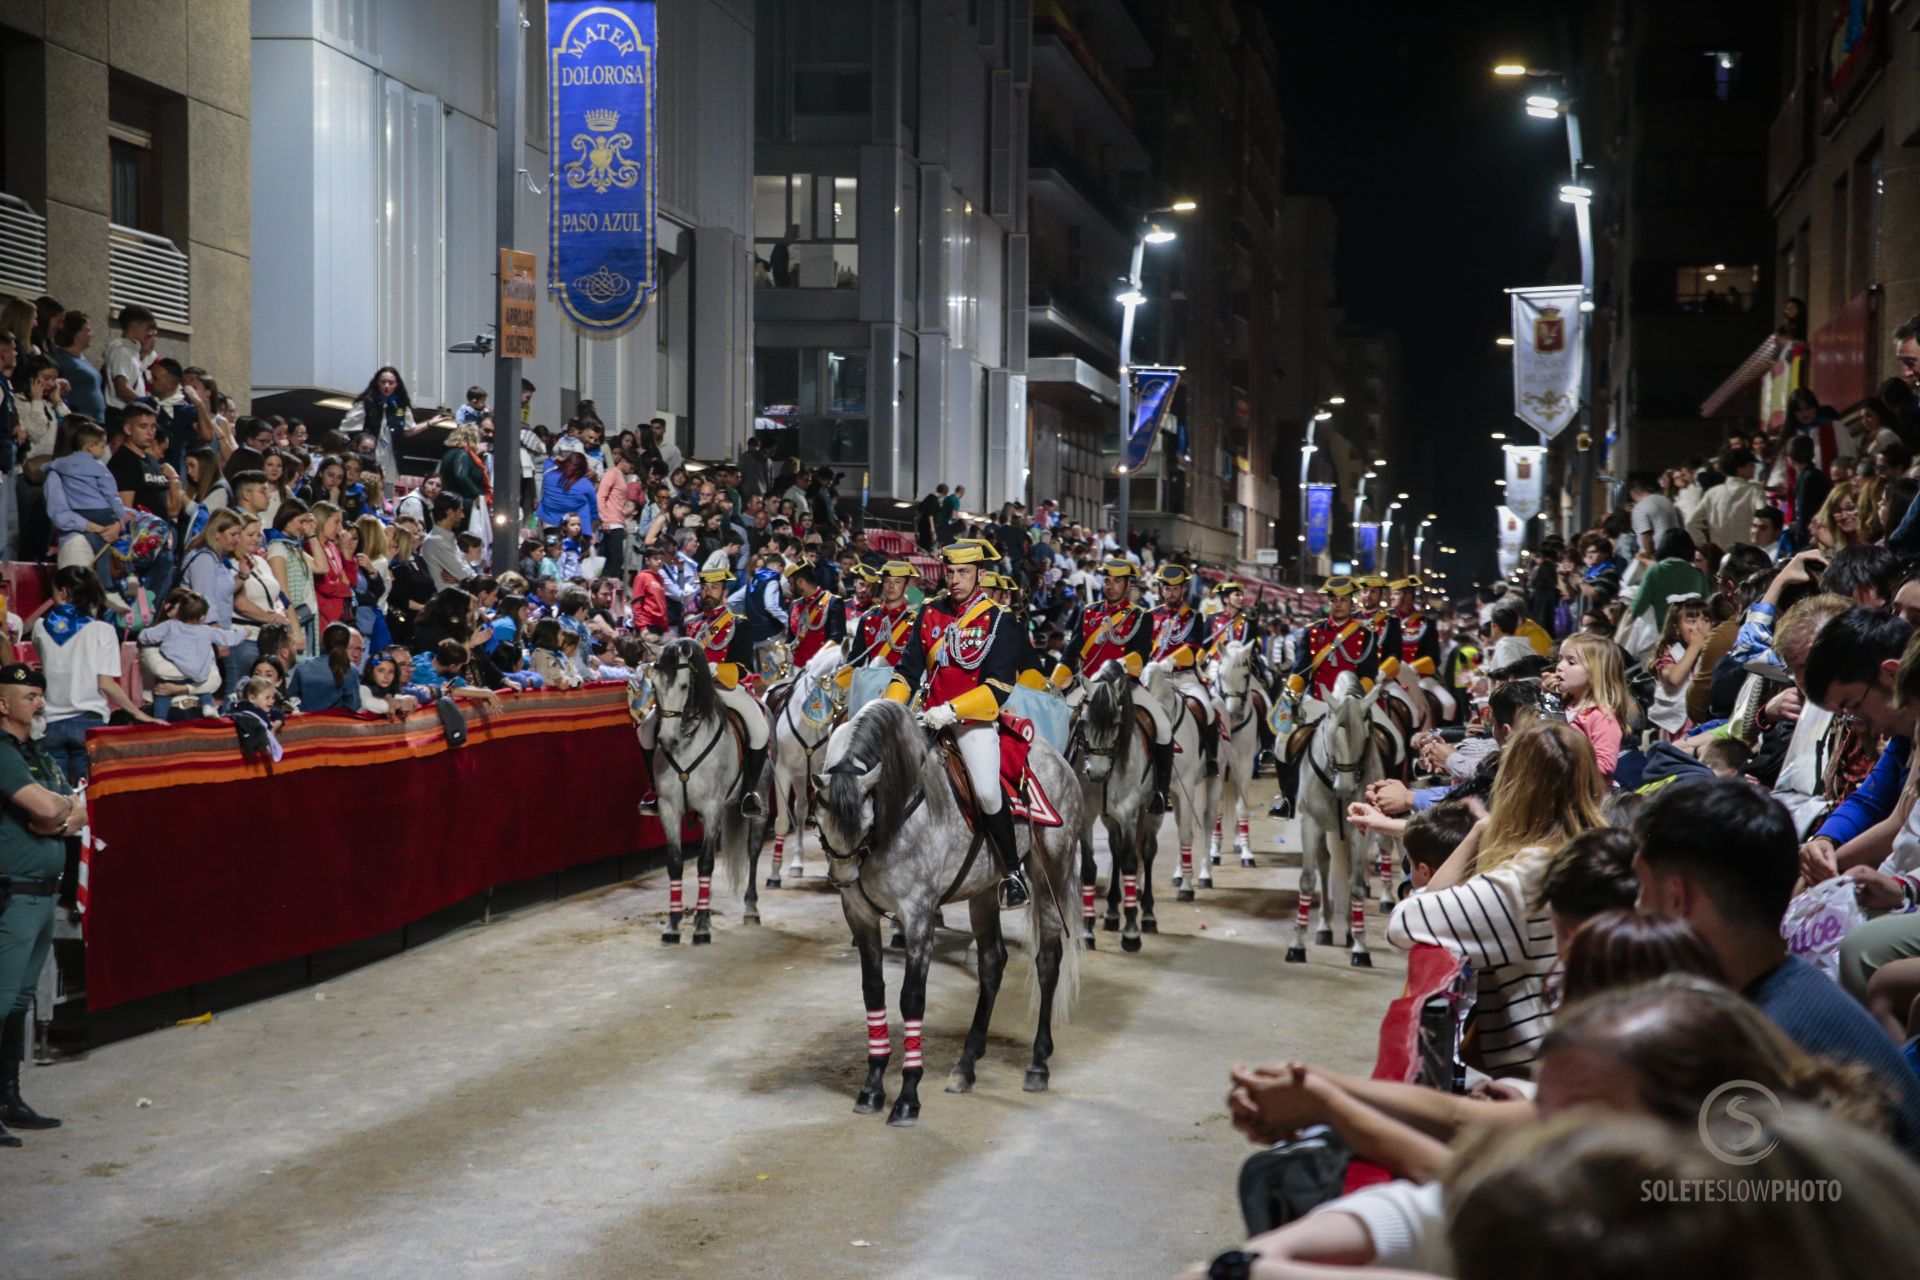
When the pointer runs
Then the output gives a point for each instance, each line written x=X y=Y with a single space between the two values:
x=1069 y=317
x=1093 y=96
x=1789 y=143
x=1061 y=181
x=23 y=248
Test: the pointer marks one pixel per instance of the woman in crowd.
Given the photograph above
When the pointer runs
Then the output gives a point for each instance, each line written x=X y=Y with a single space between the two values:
x=463 y=472
x=1482 y=902
x=384 y=410
x=258 y=599
x=293 y=528
x=452 y=615
x=1839 y=521
x=332 y=583
x=80 y=657
x=281 y=471
x=38 y=401
x=328 y=679
x=327 y=484
x=412 y=584
x=512 y=618
x=85 y=394
x=374 y=581
x=567 y=490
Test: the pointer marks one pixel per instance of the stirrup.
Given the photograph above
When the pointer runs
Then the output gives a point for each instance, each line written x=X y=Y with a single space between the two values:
x=1013 y=890
x=650 y=806
x=750 y=806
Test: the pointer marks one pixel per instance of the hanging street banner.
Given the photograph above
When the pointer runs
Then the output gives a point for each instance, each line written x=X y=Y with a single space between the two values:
x=1152 y=397
x=1526 y=467
x=1368 y=559
x=1548 y=356
x=1319 y=518
x=1513 y=536
x=601 y=187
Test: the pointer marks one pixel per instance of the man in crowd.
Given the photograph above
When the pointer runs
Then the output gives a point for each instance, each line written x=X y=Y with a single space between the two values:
x=124 y=363
x=1653 y=514
x=446 y=564
x=1726 y=514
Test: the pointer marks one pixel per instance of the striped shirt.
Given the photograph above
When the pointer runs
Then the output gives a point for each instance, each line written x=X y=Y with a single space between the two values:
x=1489 y=921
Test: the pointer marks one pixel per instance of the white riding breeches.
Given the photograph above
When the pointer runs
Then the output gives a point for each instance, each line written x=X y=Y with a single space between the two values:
x=1162 y=725
x=1190 y=686
x=979 y=743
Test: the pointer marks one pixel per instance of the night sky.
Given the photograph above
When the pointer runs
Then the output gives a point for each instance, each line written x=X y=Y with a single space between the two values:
x=1446 y=193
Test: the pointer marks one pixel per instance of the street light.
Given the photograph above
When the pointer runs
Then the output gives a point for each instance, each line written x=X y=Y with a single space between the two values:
x=1503 y=342
x=1321 y=413
x=1575 y=194
x=1337 y=401
x=1130 y=298
x=1386 y=538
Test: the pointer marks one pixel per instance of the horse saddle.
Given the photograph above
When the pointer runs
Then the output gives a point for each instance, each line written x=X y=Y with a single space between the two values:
x=1022 y=792
x=776 y=697
x=1296 y=748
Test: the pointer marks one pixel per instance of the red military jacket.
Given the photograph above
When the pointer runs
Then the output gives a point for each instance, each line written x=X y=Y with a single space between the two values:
x=1419 y=638
x=1110 y=634
x=1228 y=629
x=719 y=636
x=1354 y=650
x=883 y=633
x=814 y=622
x=1173 y=626
x=979 y=647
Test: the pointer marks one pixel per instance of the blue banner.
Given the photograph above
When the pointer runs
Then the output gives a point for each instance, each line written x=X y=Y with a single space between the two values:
x=1319 y=518
x=1152 y=396
x=1369 y=557
x=601 y=190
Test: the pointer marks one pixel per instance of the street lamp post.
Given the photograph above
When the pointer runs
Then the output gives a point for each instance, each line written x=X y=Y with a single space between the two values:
x=1320 y=414
x=1359 y=502
x=1386 y=538
x=1130 y=298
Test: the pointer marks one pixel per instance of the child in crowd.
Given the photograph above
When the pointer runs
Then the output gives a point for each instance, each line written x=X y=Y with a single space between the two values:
x=257 y=711
x=1727 y=757
x=381 y=689
x=442 y=672
x=1592 y=682
x=514 y=671
x=82 y=496
x=1431 y=837
x=177 y=654
x=549 y=660
x=1689 y=623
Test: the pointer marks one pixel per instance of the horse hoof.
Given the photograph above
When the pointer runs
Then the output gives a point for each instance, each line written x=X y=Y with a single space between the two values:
x=1360 y=960
x=1296 y=955
x=1185 y=895
x=869 y=1103
x=1088 y=942
x=1111 y=924
x=1214 y=858
x=904 y=1116
x=1323 y=938
x=1129 y=945
x=750 y=919
x=702 y=939
x=1246 y=860
x=1149 y=926
x=1178 y=881
x=1206 y=882
x=958 y=1083
x=669 y=939
x=773 y=882
x=1036 y=1081
x=898 y=941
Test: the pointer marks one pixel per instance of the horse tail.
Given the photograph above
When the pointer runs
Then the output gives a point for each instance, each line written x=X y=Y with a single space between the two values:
x=1047 y=902
x=1054 y=892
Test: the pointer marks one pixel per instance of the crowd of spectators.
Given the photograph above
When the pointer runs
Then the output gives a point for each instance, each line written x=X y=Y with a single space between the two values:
x=1675 y=842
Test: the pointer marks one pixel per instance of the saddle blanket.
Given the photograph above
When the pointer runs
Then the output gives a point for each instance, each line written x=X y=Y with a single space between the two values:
x=1051 y=718
x=1025 y=795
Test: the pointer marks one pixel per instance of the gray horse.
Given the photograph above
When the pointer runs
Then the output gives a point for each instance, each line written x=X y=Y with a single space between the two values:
x=1115 y=757
x=898 y=844
x=1341 y=757
x=697 y=764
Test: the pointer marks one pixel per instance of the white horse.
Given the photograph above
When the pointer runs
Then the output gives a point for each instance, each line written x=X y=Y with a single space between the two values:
x=1192 y=789
x=1340 y=758
x=816 y=703
x=1233 y=684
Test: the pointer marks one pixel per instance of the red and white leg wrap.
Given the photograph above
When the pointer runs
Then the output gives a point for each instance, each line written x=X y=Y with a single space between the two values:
x=879 y=1039
x=779 y=850
x=1304 y=912
x=1386 y=866
x=910 y=1045
x=1359 y=923
x=1130 y=891
x=673 y=896
x=705 y=901
x=1186 y=860
x=1086 y=901
x=1242 y=829
x=1216 y=828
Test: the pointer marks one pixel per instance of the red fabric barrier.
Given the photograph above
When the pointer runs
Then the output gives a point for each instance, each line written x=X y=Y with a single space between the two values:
x=207 y=864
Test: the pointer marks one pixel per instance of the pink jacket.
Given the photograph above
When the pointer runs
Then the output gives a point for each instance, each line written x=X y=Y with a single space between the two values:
x=615 y=505
x=1603 y=731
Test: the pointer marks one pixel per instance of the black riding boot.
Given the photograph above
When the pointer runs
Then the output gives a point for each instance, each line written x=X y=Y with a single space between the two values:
x=999 y=827
x=1162 y=777
x=14 y=1112
x=751 y=805
x=1210 y=748
x=1287 y=774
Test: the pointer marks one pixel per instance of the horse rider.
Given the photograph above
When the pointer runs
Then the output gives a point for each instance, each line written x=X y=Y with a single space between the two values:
x=815 y=618
x=1419 y=641
x=1179 y=637
x=1118 y=630
x=1340 y=642
x=723 y=637
x=881 y=633
x=1379 y=613
x=1231 y=624
x=961 y=659
x=863 y=579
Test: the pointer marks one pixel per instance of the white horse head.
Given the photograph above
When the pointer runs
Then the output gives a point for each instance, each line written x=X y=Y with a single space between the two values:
x=683 y=687
x=862 y=796
x=1105 y=722
x=1347 y=735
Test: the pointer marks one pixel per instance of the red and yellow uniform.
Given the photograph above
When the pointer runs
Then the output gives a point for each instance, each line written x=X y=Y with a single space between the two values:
x=1419 y=637
x=721 y=637
x=1116 y=630
x=883 y=633
x=1337 y=643
x=813 y=620
x=960 y=652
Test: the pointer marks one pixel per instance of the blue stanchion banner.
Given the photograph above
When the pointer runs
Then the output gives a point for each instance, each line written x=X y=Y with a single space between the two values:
x=1152 y=396
x=1319 y=518
x=602 y=187
x=1369 y=558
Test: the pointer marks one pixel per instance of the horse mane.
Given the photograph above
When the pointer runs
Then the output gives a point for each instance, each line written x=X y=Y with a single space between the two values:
x=686 y=656
x=1345 y=685
x=826 y=662
x=882 y=733
x=1107 y=704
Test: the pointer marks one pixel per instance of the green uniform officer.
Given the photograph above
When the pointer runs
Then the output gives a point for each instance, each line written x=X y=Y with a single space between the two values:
x=38 y=810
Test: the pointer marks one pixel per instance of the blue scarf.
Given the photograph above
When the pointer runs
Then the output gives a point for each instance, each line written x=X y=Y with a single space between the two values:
x=281 y=535
x=63 y=622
